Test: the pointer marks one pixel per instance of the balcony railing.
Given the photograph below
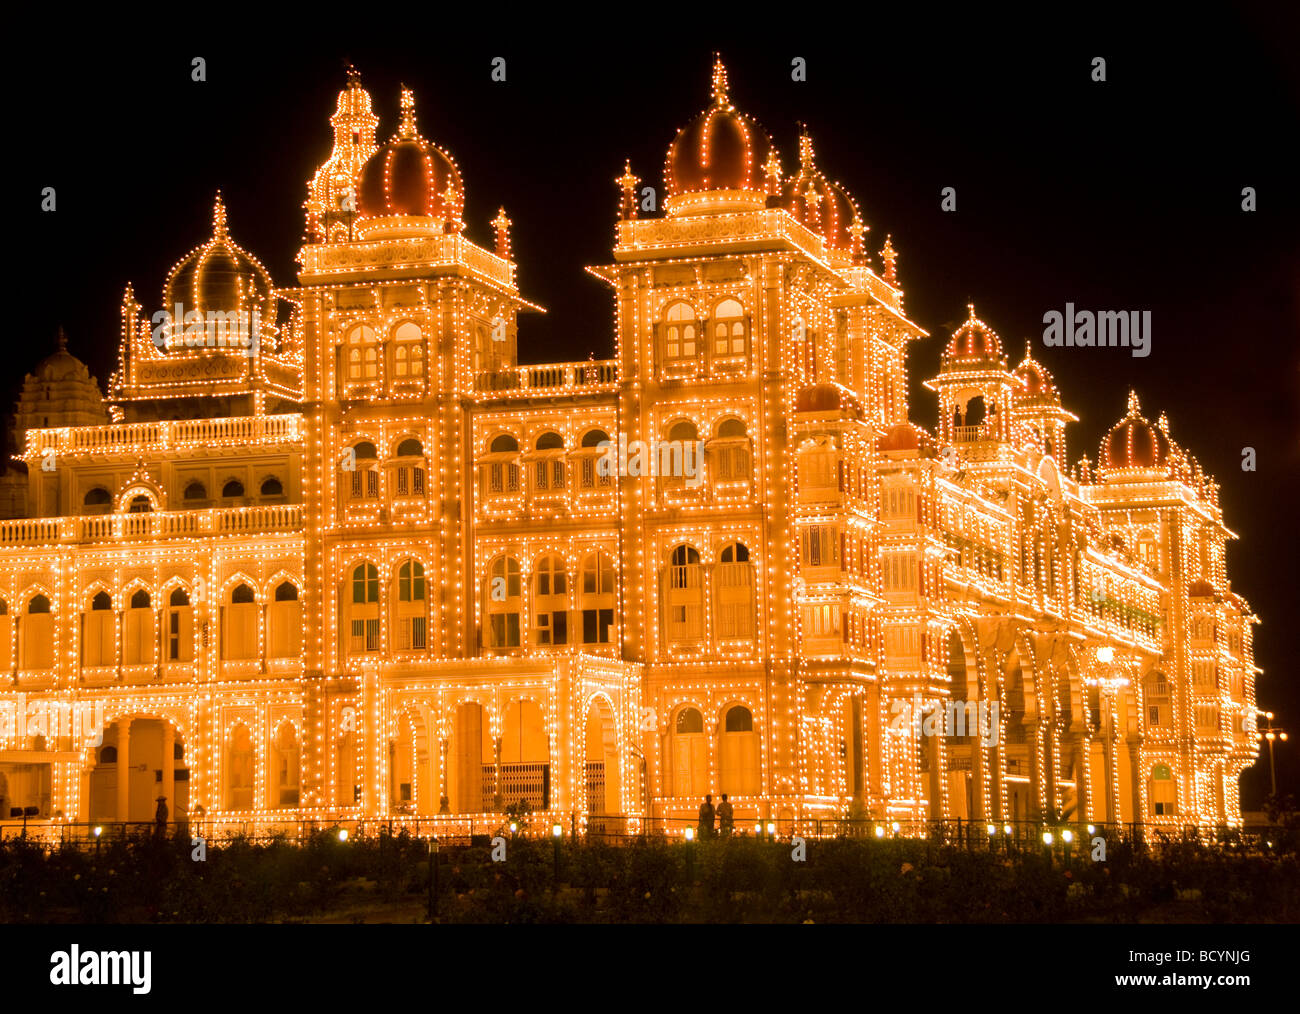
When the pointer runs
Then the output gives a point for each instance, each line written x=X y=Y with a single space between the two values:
x=160 y=525
x=153 y=437
x=550 y=378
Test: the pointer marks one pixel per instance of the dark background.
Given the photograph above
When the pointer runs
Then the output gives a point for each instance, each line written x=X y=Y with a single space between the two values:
x=1120 y=195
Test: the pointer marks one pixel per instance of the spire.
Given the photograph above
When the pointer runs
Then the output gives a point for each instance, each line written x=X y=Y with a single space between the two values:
x=1163 y=423
x=219 y=218
x=805 y=148
x=354 y=76
x=502 y=226
x=772 y=172
x=720 y=97
x=972 y=318
x=61 y=339
x=857 y=229
x=1134 y=409
x=627 y=184
x=406 y=128
x=890 y=259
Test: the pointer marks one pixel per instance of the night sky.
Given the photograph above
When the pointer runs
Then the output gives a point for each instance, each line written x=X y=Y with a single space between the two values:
x=1123 y=195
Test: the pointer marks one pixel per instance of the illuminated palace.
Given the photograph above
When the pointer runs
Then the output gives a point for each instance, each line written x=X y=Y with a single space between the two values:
x=367 y=565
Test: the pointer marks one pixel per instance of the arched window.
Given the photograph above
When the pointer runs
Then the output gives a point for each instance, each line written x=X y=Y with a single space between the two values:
x=504 y=603
x=410 y=476
x=240 y=763
x=685 y=597
x=412 y=619
x=285 y=765
x=680 y=457
x=36 y=635
x=819 y=470
x=232 y=489
x=596 y=599
x=501 y=472
x=689 y=755
x=362 y=464
x=730 y=334
x=138 y=630
x=729 y=453
x=408 y=352
x=738 y=773
x=98 y=633
x=591 y=473
x=140 y=504
x=180 y=627
x=272 y=487
x=364 y=612
x=681 y=334
x=195 y=490
x=284 y=622
x=362 y=355
x=734 y=591
x=548 y=469
x=550 y=602
x=98 y=500
x=240 y=626
x=1164 y=791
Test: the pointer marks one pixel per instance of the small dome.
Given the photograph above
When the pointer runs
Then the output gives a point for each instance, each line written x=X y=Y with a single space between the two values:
x=819 y=398
x=59 y=392
x=900 y=437
x=974 y=340
x=1201 y=590
x=410 y=176
x=822 y=206
x=1133 y=443
x=721 y=149
x=1033 y=383
x=220 y=276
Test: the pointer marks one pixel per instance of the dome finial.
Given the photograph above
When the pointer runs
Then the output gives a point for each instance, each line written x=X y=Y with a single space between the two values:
x=627 y=186
x=406 y=128
x=970 y=307
x=61 y=339
x=502 y=226
x=890 y=259
x=1133 y=407
x=805 y=147
x=219 y=218
x=719 y=81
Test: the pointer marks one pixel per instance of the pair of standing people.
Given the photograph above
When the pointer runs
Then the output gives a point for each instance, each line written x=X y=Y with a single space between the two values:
x=726 y=821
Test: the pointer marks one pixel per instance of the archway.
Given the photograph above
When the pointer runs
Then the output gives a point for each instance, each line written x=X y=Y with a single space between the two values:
x=470 y=784
x=604 y=787
x=138 y=760
x=525 y=756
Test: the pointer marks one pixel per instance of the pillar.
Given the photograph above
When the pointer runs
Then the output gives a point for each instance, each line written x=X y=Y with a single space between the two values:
x=123 y=769
x=169 y=769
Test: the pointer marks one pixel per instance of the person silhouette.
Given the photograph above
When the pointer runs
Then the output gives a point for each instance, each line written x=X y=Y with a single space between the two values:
x=706 y=817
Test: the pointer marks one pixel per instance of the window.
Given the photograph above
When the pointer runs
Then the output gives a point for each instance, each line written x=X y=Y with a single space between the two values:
x=239 y=769
x=596 y=599
x=591 y=474
x=362 y=355
x=364 y=484
x=411 y=618
x=688 y=755
x=195 y=490
x=738 y=756
x=284 y=762
x=272 y=487
x=240 y=627
x=504 y=603
x=36 y=635
x=685 y=596
x=821 y=545
x=681 y=338
x=180 y=627
x=551 y=602
x=364 y=613
x=548 y=468
x=408 y=352
x=502 y=472
x=729 y=453
x=729 y=331
x=232 y=489
x=284 y=622
x=818 y=467
x=734 y=593
x=898 y=572
x=140 y=504
x=1164 y=798
x=410 y=477
x=138 y=630
x=98 y=500
x=98 y=633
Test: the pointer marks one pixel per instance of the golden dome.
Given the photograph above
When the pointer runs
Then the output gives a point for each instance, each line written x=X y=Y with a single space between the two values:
x=974 y=340
x=411 y=177
x=821 y=205
x=1133 y=443
x=219 y=276
x=1033 y=384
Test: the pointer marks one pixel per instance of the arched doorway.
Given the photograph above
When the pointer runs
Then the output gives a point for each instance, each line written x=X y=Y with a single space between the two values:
x=525 y=757
x=470 y=781
x=138 y=760
x=604 y=789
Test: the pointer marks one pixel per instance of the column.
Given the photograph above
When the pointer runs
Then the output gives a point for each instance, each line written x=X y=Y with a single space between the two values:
x=169 y=769
x=123 y=769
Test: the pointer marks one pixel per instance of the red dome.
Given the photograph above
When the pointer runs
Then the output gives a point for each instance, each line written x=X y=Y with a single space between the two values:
x=974 y=340
x=900 y=437
x=1134 y=443
x=721 y=149
x=410 y=176
x=1032 y=382
x=822 y=206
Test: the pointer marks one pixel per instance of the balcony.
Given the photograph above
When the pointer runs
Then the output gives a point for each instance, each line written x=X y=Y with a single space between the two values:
x=268 y=518
x=158 y=437
x=550 y=379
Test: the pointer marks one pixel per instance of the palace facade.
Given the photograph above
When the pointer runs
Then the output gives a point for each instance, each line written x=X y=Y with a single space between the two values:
x=358 y=562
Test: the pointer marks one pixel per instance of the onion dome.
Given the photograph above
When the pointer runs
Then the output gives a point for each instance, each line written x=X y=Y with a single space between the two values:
x=411 y=177
x=974 y=341
x=219 y=276
x=822 y=206
x=902 y=436
x=1032 y=384
x=721 y=149
x=1133 y=443
x=826 y=398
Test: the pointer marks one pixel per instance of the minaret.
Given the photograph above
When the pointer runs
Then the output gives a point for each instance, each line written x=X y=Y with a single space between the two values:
x=627 y=186
x=331 y=202
x=501 y=226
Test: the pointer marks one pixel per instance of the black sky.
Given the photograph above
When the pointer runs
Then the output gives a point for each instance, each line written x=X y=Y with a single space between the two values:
x=1121 y=195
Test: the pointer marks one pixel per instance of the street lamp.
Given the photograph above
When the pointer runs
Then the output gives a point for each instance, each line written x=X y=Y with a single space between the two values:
x=1272 y=734
x=343 y=834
